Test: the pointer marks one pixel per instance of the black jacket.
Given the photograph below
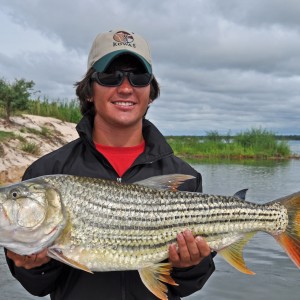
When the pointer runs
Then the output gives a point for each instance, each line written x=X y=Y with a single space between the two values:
x=80 y=157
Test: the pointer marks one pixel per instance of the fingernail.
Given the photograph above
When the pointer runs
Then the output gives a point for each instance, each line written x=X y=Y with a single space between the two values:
x=188 y=233
x=180 y=236
x=199 y=238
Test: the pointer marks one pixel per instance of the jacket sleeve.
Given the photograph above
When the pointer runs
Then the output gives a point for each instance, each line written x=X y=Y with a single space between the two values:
x=39 y=281
x=191 y=279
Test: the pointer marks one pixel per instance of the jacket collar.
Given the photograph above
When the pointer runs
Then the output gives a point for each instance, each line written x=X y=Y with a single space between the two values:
x=156 y=145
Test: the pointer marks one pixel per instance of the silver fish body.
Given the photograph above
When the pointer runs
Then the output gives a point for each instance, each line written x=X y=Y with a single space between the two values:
x=101 y=225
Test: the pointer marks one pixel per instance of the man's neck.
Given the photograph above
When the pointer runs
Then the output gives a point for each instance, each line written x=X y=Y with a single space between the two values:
x=118 y=137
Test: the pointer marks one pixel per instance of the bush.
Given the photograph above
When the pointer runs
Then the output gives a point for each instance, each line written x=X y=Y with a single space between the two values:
x=14 y=96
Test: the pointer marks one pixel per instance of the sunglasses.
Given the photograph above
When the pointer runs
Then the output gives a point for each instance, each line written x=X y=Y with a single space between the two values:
x=116 y=78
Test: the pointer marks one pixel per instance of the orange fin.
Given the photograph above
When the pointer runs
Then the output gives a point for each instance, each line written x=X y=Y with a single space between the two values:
x=55 y=254
x=290 y=238
x=233 y=254
x=165 y=182
x=154 y=275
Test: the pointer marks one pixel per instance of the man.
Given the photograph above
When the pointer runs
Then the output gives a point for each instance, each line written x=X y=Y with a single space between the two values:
x=116 y=142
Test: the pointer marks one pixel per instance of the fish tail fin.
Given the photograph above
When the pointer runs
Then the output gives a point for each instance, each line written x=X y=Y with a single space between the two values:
x=290 y=238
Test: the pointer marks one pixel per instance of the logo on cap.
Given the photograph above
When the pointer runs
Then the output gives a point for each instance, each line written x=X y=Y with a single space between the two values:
x=123 y=37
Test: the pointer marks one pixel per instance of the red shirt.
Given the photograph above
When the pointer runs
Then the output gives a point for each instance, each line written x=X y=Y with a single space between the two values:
x=121 y=158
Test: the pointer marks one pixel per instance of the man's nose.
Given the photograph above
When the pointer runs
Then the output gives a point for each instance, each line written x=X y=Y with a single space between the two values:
x=125 y=86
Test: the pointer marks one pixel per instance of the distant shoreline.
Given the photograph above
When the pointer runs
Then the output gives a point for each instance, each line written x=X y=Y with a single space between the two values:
x=233 y=158
x=253 y=144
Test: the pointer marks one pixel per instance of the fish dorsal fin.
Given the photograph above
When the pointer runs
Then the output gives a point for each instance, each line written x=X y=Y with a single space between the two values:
x=58 y=255
x=154 y=276
x=233 y=254
x=165 y=182
x=241 y=194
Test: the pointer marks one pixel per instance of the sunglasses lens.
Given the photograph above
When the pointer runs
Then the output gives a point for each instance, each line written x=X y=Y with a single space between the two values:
x=110 y=79
x=115 y=79
x=140 y=79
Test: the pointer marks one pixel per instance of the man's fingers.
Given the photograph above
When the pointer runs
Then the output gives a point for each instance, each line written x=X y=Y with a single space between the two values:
x=183 y=248
x=191 y=245
x=29 y=261
x=191 y=251
x=173 y=254
x=202 y=246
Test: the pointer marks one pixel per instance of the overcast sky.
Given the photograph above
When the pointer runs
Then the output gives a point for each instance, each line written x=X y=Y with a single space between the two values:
x=224 y=65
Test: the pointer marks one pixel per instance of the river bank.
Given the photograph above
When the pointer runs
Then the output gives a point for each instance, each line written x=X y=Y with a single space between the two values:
x=256 y=144
x=28 y=138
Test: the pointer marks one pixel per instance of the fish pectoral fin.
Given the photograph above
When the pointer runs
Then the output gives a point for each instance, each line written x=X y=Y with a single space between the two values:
x=58 y=255
x=165 y=182
x=154 y=276
x=233 y=254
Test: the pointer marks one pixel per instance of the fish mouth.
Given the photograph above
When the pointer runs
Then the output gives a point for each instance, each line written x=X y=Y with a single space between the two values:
x=53 y=231
x=4 y=219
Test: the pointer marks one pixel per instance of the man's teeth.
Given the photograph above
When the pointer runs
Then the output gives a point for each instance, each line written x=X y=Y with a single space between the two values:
x=124 y=103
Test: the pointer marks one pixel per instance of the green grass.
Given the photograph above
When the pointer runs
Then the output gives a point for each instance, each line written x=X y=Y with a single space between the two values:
x=26 y=146
x=254 y=143
x=6 y=135
x=63 y=110
x=31 y=148
x=44 y=132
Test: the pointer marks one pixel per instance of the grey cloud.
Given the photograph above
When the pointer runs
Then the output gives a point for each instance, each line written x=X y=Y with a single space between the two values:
x=222 y=65
x=256 y=13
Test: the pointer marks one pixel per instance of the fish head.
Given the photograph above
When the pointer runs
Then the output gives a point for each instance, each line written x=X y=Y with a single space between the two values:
x=31 y=216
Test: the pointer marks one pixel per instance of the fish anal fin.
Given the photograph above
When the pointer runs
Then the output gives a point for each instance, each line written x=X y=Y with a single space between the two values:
x=233 y=254
x=58 y=255
x=153 y=277
x=165 y=182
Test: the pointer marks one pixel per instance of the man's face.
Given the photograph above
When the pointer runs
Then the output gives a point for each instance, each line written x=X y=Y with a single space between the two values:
x=123 y=105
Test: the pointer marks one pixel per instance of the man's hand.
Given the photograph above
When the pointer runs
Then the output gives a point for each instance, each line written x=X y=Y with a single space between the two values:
x=29 y=261
x=191 y=251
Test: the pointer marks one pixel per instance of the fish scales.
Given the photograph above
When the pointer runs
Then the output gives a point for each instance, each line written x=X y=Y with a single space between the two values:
x=101 y=225
x=142 y=212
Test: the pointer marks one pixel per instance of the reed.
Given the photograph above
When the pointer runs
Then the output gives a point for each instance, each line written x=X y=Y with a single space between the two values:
x=254 y=143
x=63 y=110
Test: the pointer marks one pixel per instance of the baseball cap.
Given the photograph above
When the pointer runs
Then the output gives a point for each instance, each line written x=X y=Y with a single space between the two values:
x=108 y=46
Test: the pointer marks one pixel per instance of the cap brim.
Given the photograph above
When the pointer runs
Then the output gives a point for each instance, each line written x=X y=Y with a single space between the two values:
x=101 y=64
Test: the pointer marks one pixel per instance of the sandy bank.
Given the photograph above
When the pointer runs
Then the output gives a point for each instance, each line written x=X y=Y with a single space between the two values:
x=14 y=161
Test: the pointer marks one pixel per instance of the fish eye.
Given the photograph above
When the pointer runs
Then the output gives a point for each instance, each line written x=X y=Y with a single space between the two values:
x=14 y=194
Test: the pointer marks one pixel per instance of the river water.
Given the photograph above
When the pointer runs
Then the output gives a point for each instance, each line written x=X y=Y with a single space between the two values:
x=276 y=276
